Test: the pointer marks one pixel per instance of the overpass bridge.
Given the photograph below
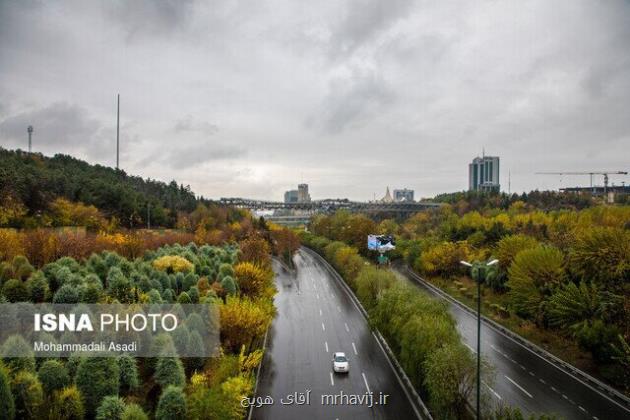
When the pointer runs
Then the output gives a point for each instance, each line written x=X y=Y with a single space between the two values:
x=298 y=211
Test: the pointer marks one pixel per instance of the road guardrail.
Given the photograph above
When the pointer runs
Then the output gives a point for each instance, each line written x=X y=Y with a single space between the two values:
x=595 y=384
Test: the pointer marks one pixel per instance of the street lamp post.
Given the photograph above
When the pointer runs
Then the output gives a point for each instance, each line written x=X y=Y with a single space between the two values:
x=478 y=273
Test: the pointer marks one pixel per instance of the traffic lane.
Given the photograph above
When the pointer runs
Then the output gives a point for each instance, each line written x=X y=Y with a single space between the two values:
x=349 y=332
x=296 y=359
x=369 y=367
x=332 y=340
x=553 y=389
x=516 y=384
x=540 y=386
x=293 y=360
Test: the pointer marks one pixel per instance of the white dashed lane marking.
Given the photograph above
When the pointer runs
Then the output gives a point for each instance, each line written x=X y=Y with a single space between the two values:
x=366 y=383
x=518 y=386
x=470 y=348
x=493 y=391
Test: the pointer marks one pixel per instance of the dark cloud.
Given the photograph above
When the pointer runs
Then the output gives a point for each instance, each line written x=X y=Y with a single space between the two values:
x=327 y=91
x=150 y=17
x=188 y=124
x=351 y=100
x=57 y=127
x=361 y=21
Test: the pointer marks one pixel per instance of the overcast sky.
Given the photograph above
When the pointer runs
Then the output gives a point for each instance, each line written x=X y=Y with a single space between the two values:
x=250 y=98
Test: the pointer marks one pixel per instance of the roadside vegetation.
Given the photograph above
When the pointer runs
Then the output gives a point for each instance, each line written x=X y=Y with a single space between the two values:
x=563 y=278
x=239 y=283
x=67 y=235
x=419 y=329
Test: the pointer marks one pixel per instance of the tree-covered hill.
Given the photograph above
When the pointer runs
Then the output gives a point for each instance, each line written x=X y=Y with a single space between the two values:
x=31 y=182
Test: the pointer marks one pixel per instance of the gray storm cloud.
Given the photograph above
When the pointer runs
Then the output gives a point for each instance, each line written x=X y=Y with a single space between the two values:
x=250 y=98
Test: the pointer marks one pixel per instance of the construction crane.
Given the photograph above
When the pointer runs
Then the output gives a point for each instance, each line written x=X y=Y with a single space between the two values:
x=605 y=173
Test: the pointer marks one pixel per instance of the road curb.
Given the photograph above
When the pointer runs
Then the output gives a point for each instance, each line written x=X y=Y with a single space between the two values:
x=264 y=349
x=420 y=409
x=595 y=384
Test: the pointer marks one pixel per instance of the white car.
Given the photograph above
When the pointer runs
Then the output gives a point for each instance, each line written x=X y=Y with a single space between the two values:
x=340 y=362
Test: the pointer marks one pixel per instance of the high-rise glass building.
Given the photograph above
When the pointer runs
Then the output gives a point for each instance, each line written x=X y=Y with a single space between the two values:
x=291 y=196
x=483 y=174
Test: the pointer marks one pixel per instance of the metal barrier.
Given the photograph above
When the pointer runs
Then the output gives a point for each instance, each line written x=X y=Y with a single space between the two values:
x=595 y=384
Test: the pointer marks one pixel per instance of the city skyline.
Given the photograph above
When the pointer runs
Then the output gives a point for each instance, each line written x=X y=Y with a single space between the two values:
x=349 y=96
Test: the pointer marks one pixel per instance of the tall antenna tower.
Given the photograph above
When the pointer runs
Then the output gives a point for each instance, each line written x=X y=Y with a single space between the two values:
x=118 y=132
x=30 y=134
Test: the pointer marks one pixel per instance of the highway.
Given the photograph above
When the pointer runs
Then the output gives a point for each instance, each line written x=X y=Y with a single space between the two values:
x=525 y=379
x=316 y=318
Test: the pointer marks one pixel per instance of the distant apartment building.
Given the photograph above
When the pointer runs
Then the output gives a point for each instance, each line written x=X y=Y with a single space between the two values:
x=403 y=195
x=300 y=195
x=303 y=195
x=483 y=174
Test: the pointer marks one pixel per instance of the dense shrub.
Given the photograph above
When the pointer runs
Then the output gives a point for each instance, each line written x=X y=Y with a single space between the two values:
x=53 y=375
x=169 y=371
x=533 y=276
x=28 y=395
x=370 y=283
x=129 y=379
x=253 y=280
x=13 y=345
x=7 y=406
x=450 y=377
x=508 y=247
x=421 y=335
x=172 y=404
x=68 y=405
x=38 y=288
x=67 y=294
x=228 y=285
x=111 y=408
x=443 y=259
x=602 y=255
x=244 y=320
x=134 y=412
x=184 y=298
x=119 y=286
x=15 y=291
x=173 y=264
x=97 y=377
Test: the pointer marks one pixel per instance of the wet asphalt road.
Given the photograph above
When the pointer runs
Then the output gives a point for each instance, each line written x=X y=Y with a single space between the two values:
x=526 y=380
x=316 y=318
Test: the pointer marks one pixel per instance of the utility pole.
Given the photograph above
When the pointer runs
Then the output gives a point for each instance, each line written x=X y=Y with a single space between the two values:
x=118 y=132
x=478 y=272
x=30 y=133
